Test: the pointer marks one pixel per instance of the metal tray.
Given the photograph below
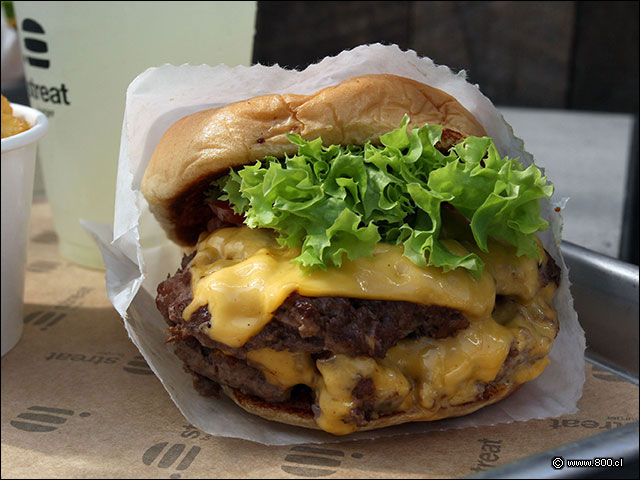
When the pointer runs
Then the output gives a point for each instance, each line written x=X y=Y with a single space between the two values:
x=602 y=288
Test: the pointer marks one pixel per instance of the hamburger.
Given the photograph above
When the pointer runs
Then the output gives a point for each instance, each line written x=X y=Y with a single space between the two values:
x=356 y=258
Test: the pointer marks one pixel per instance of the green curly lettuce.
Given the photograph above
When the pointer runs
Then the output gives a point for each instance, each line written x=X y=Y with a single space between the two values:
x=343 y=200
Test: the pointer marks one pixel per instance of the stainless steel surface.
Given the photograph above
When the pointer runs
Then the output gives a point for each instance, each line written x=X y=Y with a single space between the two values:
x=605 y=293
x=630 y=239
x=621 y=442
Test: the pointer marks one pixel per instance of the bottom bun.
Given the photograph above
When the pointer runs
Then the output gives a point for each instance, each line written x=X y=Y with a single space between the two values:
x=300 y=414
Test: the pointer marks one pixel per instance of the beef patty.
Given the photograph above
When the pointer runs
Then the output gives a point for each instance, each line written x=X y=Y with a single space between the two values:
x=320 y=326
x=315 y=324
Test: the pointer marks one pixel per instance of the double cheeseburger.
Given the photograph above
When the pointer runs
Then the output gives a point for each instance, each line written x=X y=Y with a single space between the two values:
x=360 y=257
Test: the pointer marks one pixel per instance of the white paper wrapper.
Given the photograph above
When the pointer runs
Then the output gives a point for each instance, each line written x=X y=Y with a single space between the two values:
x=138 y=256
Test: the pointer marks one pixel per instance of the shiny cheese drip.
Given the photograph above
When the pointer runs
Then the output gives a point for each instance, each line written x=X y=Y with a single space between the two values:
x=448 y=370
x=516 y=276
x=243 y=277
x=340 y=375
x=422 y=377
x=535 y=326
x=284 y=368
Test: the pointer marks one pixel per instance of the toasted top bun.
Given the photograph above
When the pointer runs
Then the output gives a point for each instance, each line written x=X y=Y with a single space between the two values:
x=205 y=145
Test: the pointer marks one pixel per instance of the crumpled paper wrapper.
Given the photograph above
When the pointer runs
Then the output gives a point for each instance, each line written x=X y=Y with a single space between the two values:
x=138 y=256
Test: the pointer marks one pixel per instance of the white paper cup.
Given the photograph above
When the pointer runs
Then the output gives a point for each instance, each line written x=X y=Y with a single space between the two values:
x=18 y=163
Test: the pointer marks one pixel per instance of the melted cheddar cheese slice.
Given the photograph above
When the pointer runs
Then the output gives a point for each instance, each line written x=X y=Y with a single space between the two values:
x=243 y=276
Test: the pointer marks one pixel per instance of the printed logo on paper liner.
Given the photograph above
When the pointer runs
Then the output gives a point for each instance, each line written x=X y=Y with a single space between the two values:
x=193 y=432
x=47 y=318
x=488 y=455
x=138 y=366
x=313 y=462
x=44 y=319
x=42 y=266
x=609 y=423
x=39 y=419
x=94 y=359
x=172 y=457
